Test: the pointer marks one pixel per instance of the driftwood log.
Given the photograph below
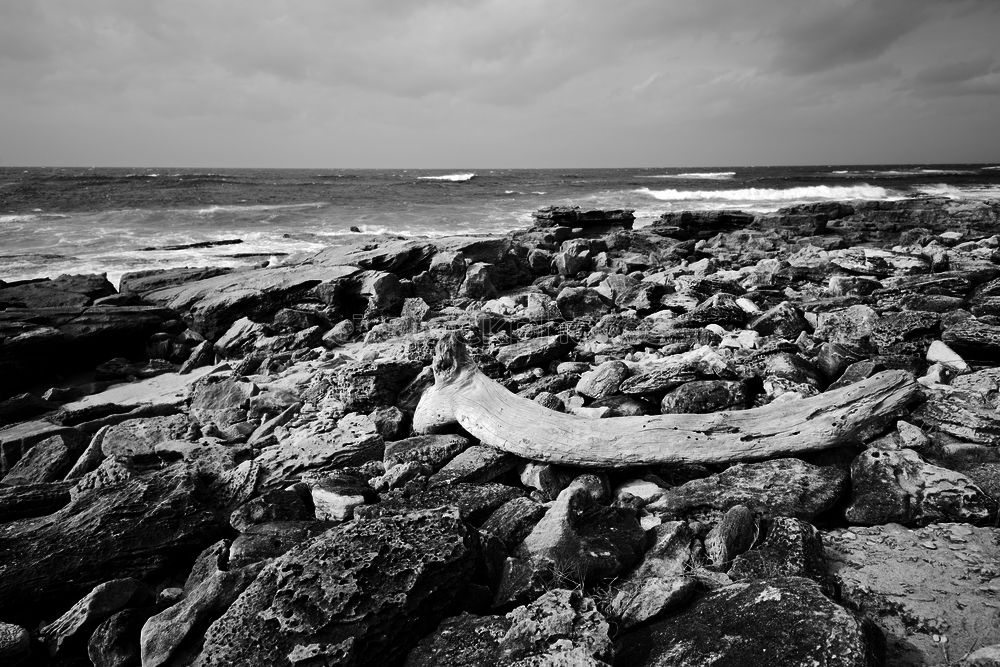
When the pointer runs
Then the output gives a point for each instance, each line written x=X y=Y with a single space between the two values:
x=462 y=393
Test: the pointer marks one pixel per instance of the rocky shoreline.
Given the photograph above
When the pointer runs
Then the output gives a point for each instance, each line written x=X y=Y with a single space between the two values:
x=220 y=467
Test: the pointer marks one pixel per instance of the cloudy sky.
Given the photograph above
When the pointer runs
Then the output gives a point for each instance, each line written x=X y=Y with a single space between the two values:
x=498 y=83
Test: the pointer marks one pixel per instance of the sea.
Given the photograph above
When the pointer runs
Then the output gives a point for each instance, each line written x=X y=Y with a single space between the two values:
x=57 y=221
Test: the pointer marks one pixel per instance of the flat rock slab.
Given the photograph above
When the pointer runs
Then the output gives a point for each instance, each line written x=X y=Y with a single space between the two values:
x=17 y=439
x=169 y=389
x=939 y=581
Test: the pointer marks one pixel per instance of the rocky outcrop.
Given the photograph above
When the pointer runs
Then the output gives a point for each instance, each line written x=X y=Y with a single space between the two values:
x=359 y=594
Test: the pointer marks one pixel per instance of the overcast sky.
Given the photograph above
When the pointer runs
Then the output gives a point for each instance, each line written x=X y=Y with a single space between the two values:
x=498 y=83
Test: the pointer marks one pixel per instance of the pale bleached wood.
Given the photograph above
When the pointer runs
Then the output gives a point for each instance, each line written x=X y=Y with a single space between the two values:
x=461 y=393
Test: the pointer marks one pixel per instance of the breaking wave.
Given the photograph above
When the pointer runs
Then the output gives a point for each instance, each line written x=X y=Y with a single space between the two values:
x=453 y=178
x=863 y=191
x=700 y=175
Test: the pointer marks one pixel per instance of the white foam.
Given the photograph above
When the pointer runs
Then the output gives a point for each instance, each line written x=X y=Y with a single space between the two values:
x=968 y=193
x=238 y=208
x=814 y=192
x=454 y=178
x=700 y=175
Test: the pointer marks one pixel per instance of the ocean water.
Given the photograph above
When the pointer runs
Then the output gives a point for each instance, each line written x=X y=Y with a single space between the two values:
x=75 y=220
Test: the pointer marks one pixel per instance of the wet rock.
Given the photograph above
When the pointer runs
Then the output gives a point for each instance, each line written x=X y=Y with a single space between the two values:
x=602 y=381
x=396 y=578
x=476 y=464
x=703 y=396
x=791 y=548
x=920 y=585
x=533 y=351
x=900 y=487
x=779 y=487
x=784 y=621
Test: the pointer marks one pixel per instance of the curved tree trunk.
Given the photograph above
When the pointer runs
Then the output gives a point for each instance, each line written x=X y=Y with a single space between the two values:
x=461 y=393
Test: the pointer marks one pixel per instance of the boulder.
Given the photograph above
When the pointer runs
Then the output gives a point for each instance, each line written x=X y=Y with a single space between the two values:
x=784 y=320
x=734 y=534
x=513 y=521
x=262 y=542
x=638 y=600
x=574 y=216
x=15 y=644
x=465 y=640
x=790 y=548
x=432 y=450
x=928 y=589
x=582 y=302
x=782 y=621
x=394 y=579
x=602 y=381
x=76 y=625
x=562 y=627
x=277 y=505
x=46 y=461
x=115 y=641
x=779 y=487
x=851 y=326
x=475 y=464
x=702 y=396
x=974 y=340
x=474 y=502
x=900 y=487
x=137 y=438
x=533 y=351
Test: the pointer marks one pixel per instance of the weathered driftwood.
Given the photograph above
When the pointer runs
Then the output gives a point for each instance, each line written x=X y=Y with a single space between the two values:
x=463 y=394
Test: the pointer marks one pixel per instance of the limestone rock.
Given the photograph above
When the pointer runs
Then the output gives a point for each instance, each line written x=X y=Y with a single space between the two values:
x=900 y=487
x=637 y=600
x=461 y=641
x=729 y=538
x=577 y=302
x=602 y=381
x=920 y=585
x=478 y=463
x=561 y=627
x=851 y=326
x=433 y=450
x=47 y=461
x=702 y=396
x=277 y=505
x=137 y=438
x=336 y=495
x=474 y=502
x=264 y=541
x=513 y=521
x=533 y=351
x=791 y=548
x=115 y=642
x=394 y=579
x=779 y=487
x=784 y=621
x=82 y=618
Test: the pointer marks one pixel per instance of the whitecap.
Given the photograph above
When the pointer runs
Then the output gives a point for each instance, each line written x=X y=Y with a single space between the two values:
x=237 y=208
x=863 y=191
x=700 y=175
x=967 y=193
x=453 y=178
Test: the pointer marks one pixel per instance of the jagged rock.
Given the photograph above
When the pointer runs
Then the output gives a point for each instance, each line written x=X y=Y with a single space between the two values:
x=395 y=578
x=906 y=332
x=461 y=641
x=475 y=502
x=354 y=441
x=115 y=641
x=940 y=353
x=545 y=478
x=843 y=285
x=134 y=527
x=64 y=291
x=15 y=644
x=137 y=438
x=856 y=372
x=174 y=635
x=920 y=586
x=638 y=600
x=264 y=541
x=513 y=521
x=851 y=326
x=578 y=539
x=561 y=627
x=602 y=381
x=77 y=624
x=784 y=621
x=478 y=283
x=277 y=505
x=729 y=538
x=574 y=216
x=476 y=464
x=432 y=450
x=832 y=359
x=720 y=309
x=30 y=500
x=974 y=340
x=336 y=495
x=582 y=302
x=784 y=320
x=47 y=461
x=900 y=487
x=791 y=548
x=658 y=378
x=702 y=396
x=533 y=351
x=202 y=355
x=791 y=367
x=390 y=422
x=365 y=386
x=779 y=487
x=700 y=224
x=241 y=337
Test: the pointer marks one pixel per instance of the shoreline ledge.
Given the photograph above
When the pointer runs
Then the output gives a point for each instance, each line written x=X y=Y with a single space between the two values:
x=578 y=443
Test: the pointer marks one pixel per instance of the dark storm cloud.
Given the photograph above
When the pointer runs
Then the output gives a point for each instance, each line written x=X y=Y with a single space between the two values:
x=485 y=81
